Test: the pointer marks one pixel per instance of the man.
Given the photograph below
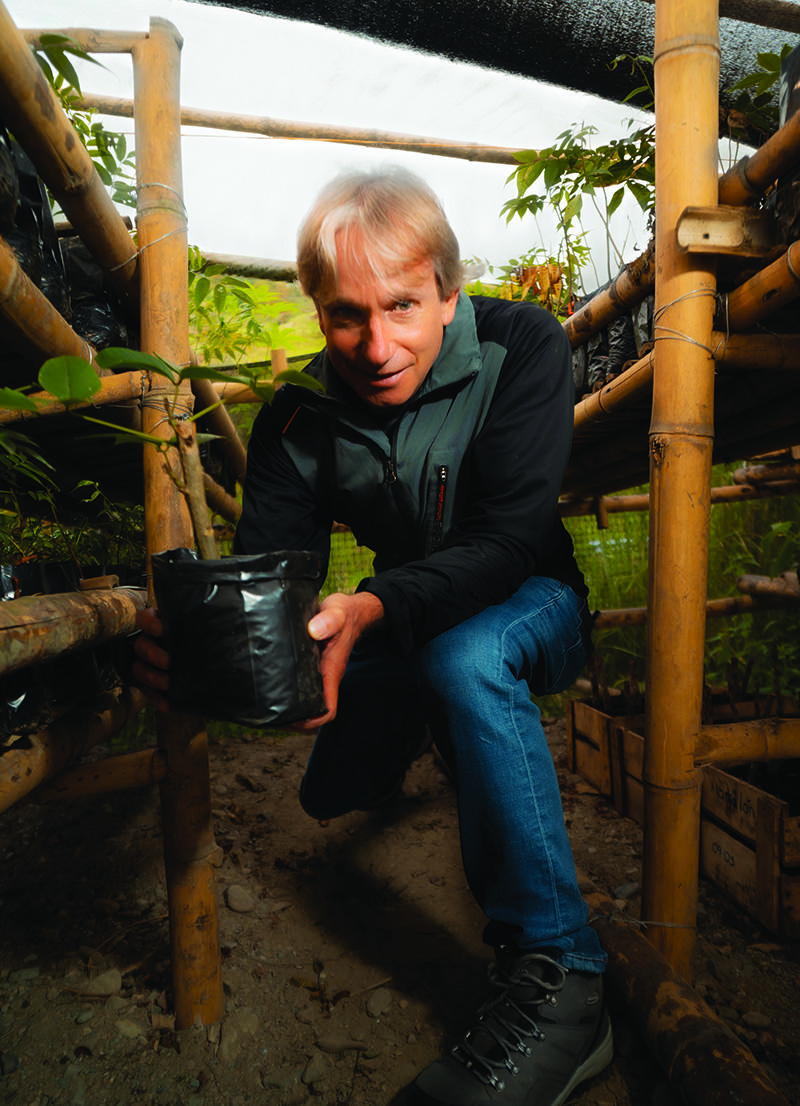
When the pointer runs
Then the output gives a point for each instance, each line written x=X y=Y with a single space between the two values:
x=441 y=439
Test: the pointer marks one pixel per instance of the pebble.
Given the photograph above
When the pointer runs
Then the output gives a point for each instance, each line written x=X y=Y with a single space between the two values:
x=23 y=975
x=84 y=1016
x=315 y=1069
x=107 y=983
x=753 y=1019
x=9 y=1061
x=627 y=890
x=127 y=1028
x=379 y=1002
x=239 y=899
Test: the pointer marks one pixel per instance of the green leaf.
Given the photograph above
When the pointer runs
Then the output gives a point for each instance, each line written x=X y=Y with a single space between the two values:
x=115 y=357
x=301 y=379
x=69 y=379
x=643 y=194
x=201 y=289
x=615 y=201
x=65 y=67
x=13 y=400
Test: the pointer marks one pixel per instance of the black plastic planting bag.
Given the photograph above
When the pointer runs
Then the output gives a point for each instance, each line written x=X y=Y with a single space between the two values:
x=237 y=637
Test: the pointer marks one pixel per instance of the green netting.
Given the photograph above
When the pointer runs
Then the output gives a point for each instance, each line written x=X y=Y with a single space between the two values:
x=349 y=563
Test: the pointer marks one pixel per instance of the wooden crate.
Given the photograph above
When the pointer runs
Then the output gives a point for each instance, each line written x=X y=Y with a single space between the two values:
x=749 y=839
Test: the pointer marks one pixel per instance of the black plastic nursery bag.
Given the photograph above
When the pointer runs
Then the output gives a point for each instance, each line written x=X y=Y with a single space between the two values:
x=237 y=637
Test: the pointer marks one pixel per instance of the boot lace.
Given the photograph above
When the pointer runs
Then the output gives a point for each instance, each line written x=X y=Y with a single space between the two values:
x=506 y=1027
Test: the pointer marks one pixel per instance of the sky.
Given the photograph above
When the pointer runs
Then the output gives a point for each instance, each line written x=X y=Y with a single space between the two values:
x=246 y=194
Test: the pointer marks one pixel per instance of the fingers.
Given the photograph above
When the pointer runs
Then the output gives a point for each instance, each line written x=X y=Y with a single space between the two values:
x=149 y=622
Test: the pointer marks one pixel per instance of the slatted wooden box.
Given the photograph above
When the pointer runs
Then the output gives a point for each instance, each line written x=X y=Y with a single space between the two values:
x=749 y=838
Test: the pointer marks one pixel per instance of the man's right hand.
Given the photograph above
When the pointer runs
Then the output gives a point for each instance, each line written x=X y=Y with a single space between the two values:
x=151 y=669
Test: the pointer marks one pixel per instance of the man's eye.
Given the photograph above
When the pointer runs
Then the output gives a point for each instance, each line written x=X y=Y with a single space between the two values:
x=402 y=305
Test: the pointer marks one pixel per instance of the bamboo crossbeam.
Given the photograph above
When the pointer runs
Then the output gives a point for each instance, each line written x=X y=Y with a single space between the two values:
x=115 y=773
x=761 y=739
x=314 y=132
x=66 y=741
x=770 y=289
x=220 y=422
x=37 y=628
x=705 y=1063
x=748 y=180
x=31 y=314
x=715 y=608
x=262 y=268
x=89 y=40
x=220 y=501
x=626 y=290
x=758 y=475
x=569 y=507
x=32 y=113
x=784 y=586
x=113 y=389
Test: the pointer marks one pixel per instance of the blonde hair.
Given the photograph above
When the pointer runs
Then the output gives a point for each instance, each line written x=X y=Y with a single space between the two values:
x=392 y=218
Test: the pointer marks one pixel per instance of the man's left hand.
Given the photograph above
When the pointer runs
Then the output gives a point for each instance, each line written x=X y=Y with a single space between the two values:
x=337 y=626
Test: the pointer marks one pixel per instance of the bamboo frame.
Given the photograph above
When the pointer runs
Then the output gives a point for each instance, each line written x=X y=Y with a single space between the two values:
x=117 y=773
x=32 y=112
x=42 y=328
x=316 y=132
x=39 y=628
x=703 y=1060
x=681 y=441
x=190 y=853
x=63 y=743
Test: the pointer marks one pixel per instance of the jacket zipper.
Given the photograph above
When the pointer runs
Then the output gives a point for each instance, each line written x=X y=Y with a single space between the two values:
x=438 y=518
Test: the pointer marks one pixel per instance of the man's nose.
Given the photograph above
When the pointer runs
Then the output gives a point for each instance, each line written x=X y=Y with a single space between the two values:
x=378 y=345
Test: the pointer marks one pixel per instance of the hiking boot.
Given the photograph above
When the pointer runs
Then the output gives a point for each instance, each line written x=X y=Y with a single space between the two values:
x=544 y=1033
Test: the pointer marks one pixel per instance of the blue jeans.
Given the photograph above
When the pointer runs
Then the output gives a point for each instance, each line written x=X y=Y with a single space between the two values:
x=472 y=685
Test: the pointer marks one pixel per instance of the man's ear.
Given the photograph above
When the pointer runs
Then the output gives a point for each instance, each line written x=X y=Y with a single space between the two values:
x=449 y=307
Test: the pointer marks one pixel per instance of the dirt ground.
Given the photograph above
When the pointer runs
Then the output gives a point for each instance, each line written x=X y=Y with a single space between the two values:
x=352 y=951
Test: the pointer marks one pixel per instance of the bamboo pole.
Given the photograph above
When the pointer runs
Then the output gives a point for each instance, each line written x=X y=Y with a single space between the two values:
x=729 y=743
x=681 y=441
x=220 y=422
x=723 y=493
x=190 y=853
x=704 y=1062
x=31 y=314
x=770 y=289
x=37 y=628
x=219 y=500
x=625 y=291
x=750 y=178
x=89 y=40
x=116 y=773
x=760 y=475
x=715 y=608
x=46 y=753
x=784 y=586
x=32 y=113
x=113 y=389
x=316 y=132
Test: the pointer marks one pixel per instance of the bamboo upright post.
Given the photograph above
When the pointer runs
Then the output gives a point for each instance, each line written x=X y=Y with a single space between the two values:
x=190 y=852
x=681 y=440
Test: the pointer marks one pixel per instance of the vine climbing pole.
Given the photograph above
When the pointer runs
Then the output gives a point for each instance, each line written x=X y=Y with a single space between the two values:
x=681 y=440
x=190 y=852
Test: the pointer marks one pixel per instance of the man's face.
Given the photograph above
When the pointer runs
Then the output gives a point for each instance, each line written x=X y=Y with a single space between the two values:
x=383 y=336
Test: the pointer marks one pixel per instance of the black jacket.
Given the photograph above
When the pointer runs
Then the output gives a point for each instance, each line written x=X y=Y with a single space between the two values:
x=456 y=491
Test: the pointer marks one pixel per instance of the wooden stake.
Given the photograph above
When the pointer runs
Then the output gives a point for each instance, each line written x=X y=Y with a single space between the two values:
x=189 y=849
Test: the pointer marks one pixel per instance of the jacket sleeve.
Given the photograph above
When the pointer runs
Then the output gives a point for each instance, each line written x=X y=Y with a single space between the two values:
x=279 y=509
x=507 y=525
